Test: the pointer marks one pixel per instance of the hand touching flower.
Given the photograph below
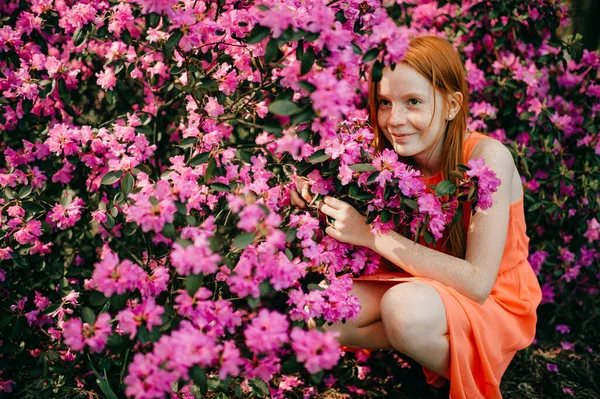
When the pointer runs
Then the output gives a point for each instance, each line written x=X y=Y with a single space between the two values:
x=348 y=225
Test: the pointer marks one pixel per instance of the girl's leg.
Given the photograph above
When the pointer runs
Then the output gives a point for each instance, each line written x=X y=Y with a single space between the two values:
x=367 y=330
x=414 y=321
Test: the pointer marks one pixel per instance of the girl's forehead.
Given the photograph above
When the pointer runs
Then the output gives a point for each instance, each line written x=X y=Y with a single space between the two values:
x=403 y=79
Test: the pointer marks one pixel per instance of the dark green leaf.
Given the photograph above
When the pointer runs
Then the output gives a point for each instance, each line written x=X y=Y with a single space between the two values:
x=224 y=188
x=193 y=282
x=411 y=204
x=259 y=387
x=199 y=159
x=88 y=315
x=363 y=167
x=241 y=241
x=445 y=187
x=371 y=55
x=63 y=92
x=272 y=51
x=377 y=73
x=24 y=192
x=257 y=34
x=112 y=177
x=283 y=107
x=318 y=157
x=172 y=42
x=385 y=216
x=127 y=184
x=187 y=142
x=210 y=170
x=307 y=61
x=198 y=375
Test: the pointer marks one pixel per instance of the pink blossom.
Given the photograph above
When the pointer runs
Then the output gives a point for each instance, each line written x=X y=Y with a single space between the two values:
x=112 y=276
x=107 y=79
x=148 y=313
x=318 y=351
x=77 y=334
x=64 y=217
x=267 y=331
x=213 y=108
x=487 y=182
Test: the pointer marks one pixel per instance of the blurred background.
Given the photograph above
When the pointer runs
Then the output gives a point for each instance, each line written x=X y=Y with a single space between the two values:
x=585 y=16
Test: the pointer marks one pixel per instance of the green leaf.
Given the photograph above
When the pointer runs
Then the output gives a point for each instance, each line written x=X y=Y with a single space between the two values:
x=153 y=19
x=257 y=34
x=534 y=207
x=241 y=241
x=304 y=116
x=112 y=177
x=445 y=187
x=63 y=93
x=307 y=61
x=371 y=55
x=259 y=387
x=377 y=73
x=355 y=192
x=283 y=107
x=24 y=192
x=88 y=315
x=31 y=206
x=385 y=216
x=223 y=188
x=198 y=375
x=411 y=204
x=319 y=156
x=187 y=142
x=210 y=170
x=291 y=234
x=272 y=51
x=193 y=282
x=79 y=37
x=127 y=184
x=363 y=167
x=199 y=159
x=172 y=42
x=309 y=87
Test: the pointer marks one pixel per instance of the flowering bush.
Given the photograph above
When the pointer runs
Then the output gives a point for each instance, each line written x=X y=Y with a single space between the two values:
x=148 y=247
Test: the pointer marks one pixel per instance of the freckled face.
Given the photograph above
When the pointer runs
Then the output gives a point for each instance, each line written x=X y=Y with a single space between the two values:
x=406 y=116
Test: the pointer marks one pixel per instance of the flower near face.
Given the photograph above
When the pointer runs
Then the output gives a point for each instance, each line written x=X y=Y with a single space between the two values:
x=77 y=334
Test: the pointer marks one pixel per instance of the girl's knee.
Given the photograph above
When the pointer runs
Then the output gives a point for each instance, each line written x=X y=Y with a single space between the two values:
x=411 y=312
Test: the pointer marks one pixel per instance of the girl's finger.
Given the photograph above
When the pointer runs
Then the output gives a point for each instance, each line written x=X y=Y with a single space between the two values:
x=305 y=193
x=296 y=200
x=334 y=202
x=327 y=210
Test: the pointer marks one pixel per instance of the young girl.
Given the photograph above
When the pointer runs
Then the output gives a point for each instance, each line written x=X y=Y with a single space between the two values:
x=463 y=311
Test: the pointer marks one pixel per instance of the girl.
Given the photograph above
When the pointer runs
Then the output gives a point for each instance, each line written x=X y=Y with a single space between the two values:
x=464 y=309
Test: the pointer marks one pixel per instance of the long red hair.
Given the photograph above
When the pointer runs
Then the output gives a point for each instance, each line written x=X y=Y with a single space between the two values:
x=440 y=63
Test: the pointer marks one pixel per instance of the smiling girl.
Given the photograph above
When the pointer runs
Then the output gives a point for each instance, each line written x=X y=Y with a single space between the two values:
x=463 y=311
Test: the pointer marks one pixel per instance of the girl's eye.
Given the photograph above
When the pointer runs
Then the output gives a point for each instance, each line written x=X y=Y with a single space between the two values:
x=384 y=102
x=414 y=101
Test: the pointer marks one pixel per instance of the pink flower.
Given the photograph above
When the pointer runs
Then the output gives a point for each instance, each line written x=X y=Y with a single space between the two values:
x=64 y=217
x=267 y=331
x=230 y=361
x=146 y=313
x=111 y=277
x=107 y=79
x=487 y=182
x=250 y=217
x=318 y=351
x=213 y=108
x=593 y=231
x=78 y=334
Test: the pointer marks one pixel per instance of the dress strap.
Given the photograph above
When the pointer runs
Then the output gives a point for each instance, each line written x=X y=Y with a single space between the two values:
x=471 y=142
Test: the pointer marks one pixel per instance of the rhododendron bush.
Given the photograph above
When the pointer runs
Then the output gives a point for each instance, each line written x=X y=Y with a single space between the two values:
x=148 y=246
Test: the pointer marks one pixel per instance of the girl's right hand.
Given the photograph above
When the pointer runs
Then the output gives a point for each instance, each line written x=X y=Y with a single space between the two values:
x=301 y=196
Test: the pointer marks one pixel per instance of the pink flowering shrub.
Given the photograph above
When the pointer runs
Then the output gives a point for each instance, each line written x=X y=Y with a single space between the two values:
x=148 y=245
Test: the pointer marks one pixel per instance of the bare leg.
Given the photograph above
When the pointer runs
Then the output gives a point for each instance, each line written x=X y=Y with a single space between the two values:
x=414 y=320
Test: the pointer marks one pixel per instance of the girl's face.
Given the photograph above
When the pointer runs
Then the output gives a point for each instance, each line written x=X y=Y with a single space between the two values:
x=407 y=118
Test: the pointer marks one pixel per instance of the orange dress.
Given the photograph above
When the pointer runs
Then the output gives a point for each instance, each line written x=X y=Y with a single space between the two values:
x=485 y=337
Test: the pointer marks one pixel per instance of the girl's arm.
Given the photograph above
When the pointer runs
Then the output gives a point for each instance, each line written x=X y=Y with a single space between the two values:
x=473 y=276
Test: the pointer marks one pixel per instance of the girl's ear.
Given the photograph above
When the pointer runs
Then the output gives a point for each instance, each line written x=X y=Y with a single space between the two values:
x=454 y=101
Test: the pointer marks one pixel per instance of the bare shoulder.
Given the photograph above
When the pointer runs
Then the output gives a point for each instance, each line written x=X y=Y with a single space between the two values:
x=495 y=153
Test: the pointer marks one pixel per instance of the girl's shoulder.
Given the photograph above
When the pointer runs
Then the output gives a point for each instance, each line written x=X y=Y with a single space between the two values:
x=478 y=144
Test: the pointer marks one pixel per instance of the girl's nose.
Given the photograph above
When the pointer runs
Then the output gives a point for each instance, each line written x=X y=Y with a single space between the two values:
x=398 y=117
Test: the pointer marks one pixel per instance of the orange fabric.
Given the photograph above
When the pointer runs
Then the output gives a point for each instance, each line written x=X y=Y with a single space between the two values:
x=485 y=337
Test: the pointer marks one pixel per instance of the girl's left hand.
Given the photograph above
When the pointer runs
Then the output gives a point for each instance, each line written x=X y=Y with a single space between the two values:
x=348 y=225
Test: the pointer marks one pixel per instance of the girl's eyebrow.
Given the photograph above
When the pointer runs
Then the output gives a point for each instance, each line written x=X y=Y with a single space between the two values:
x=411 y=94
